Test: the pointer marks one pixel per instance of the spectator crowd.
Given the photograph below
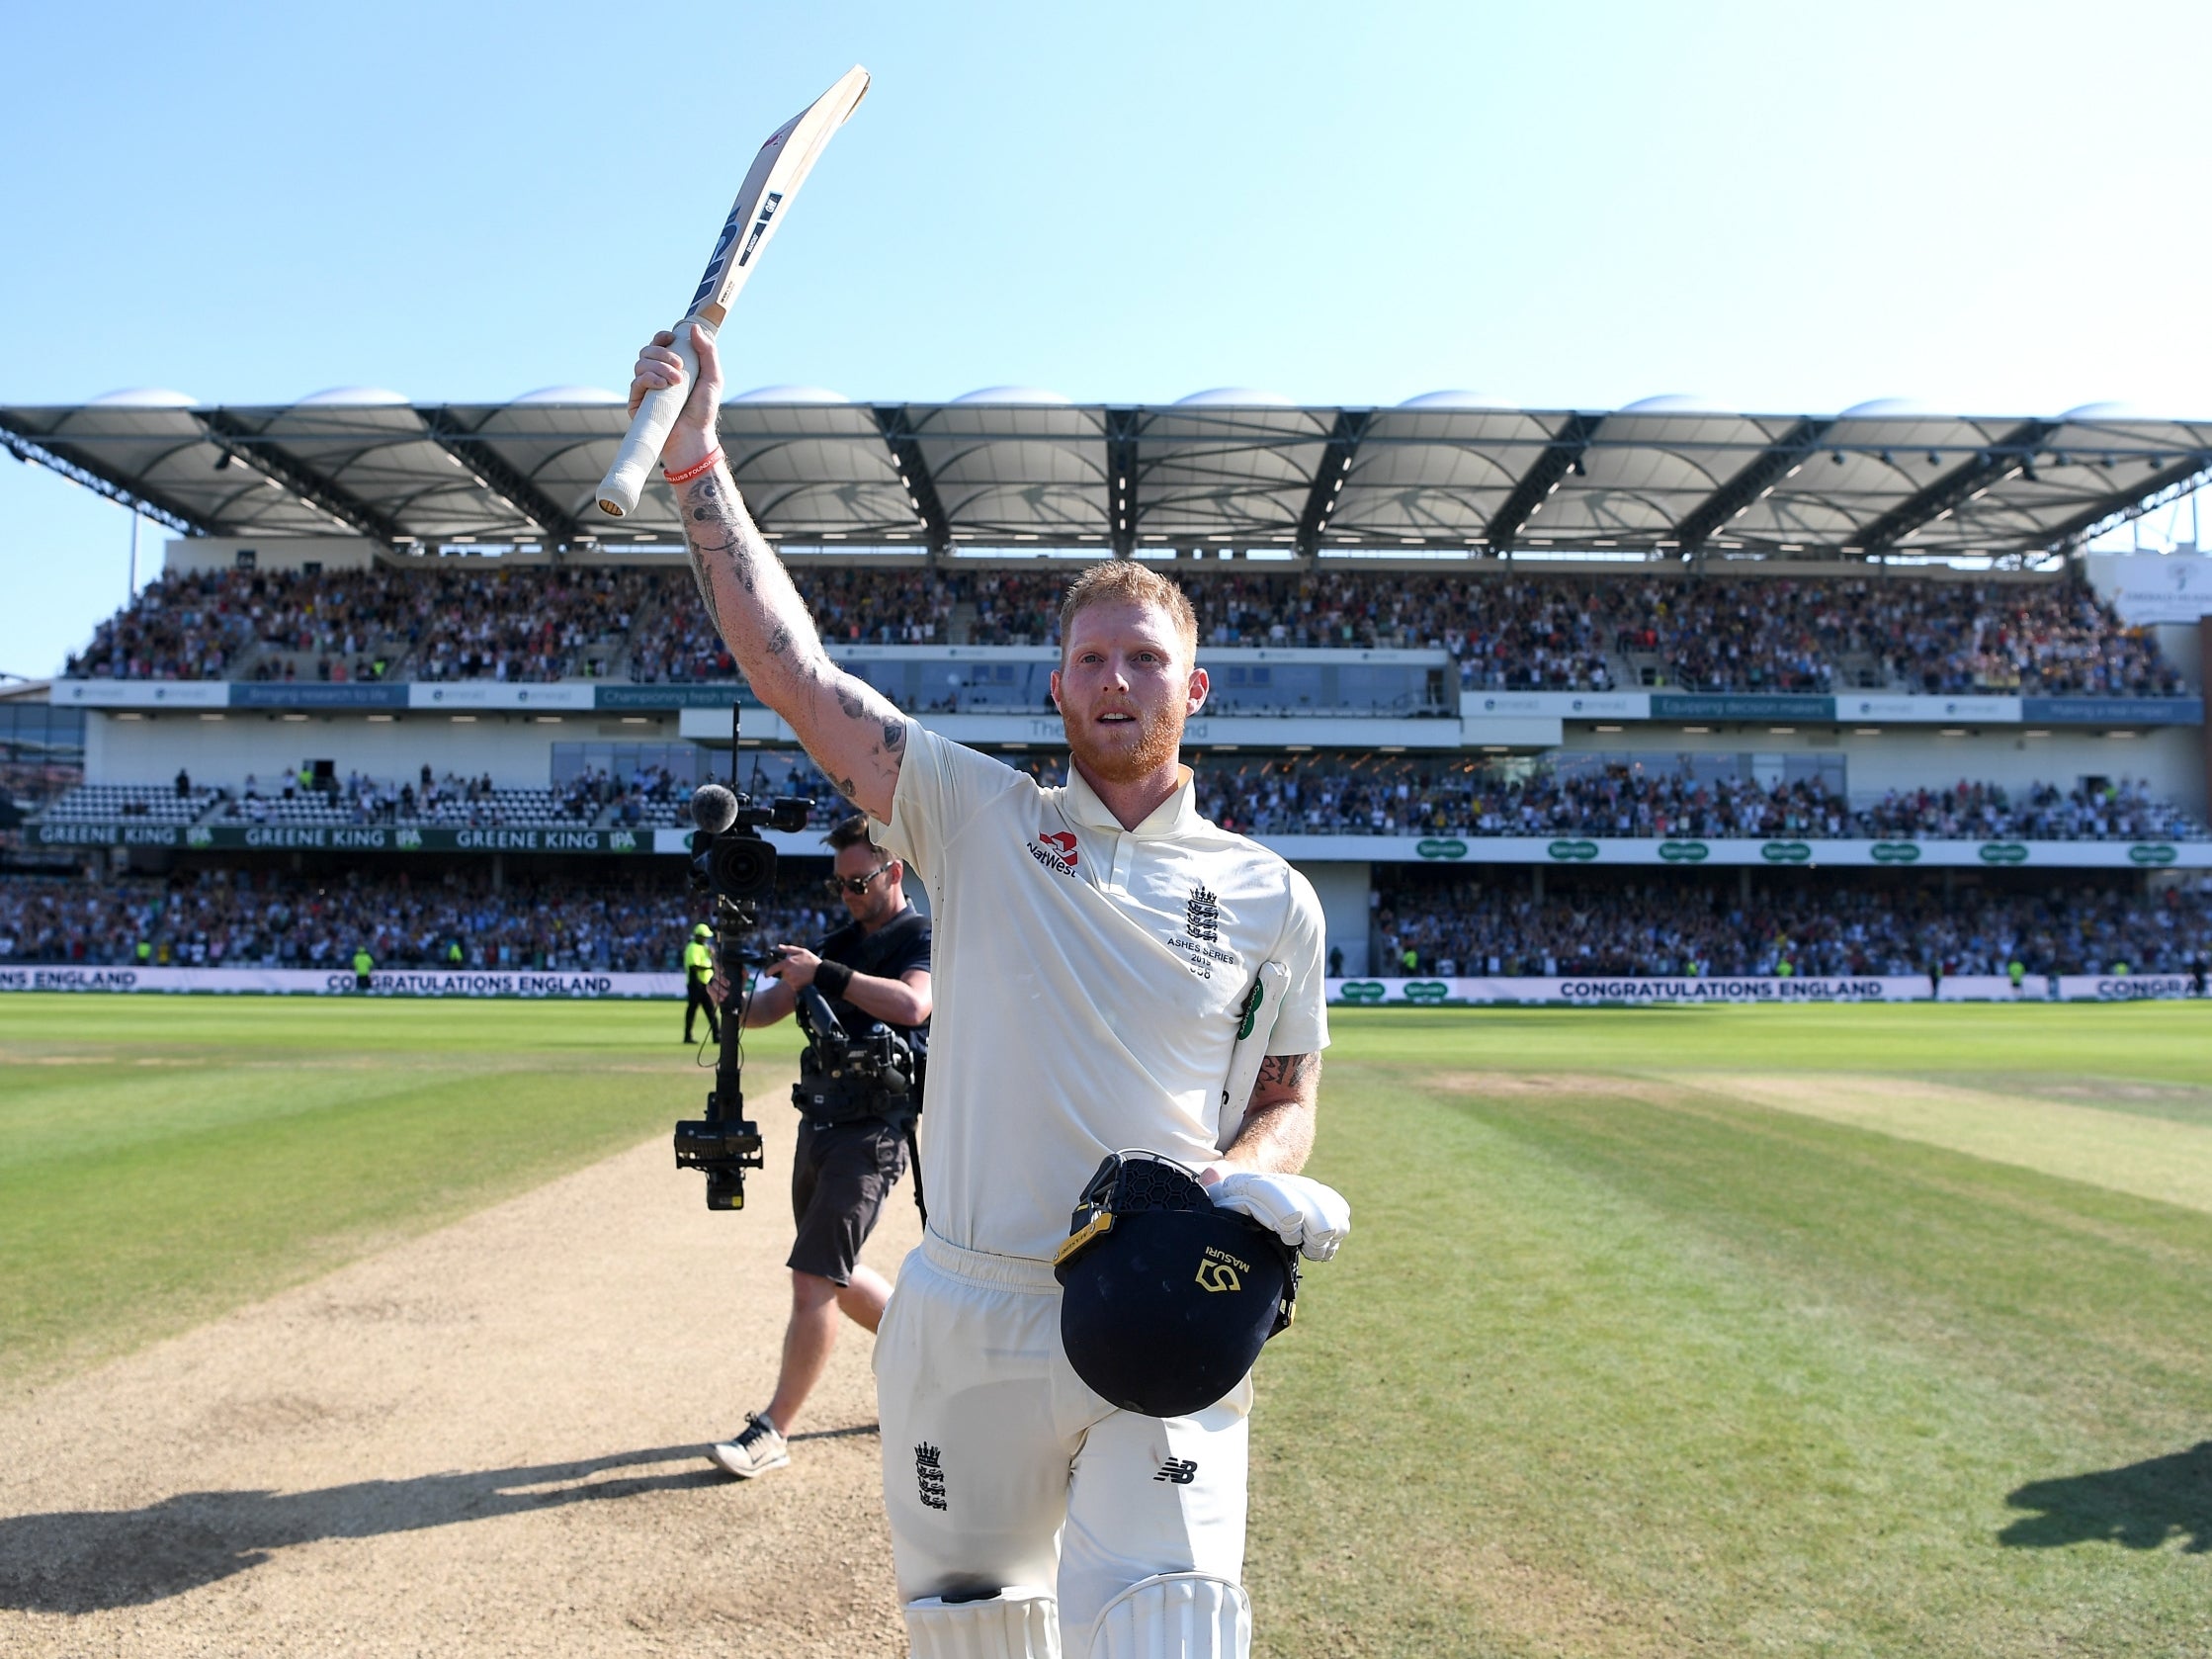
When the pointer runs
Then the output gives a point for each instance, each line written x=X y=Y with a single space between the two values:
x=1552 y=632
x=269 y=917
x=1426 y=921
x=1305 y=794
x=1407 y=795
x=1689 y=927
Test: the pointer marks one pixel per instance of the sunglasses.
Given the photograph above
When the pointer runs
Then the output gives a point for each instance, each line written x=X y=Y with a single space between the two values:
x=854 y=885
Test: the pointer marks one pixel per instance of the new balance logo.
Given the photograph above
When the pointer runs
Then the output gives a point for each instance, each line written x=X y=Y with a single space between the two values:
x=1178 y=1471
x=929 y=1475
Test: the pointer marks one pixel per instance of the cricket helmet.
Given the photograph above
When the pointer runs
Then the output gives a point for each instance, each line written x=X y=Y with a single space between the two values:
x=1165 y=1299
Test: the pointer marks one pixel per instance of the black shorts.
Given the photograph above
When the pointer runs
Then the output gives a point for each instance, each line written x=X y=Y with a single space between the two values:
x=839 y=1179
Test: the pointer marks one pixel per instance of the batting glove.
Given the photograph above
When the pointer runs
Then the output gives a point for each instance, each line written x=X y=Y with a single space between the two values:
x=1311 y=1219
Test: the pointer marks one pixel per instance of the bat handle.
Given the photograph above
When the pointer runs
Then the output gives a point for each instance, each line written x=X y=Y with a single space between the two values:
x=656 y=415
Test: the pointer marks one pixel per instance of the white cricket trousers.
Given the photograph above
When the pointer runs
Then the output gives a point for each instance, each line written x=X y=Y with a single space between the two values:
x=1001 y=1467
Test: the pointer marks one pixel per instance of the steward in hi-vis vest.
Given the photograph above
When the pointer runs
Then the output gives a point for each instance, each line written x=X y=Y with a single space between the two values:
x=699 y=973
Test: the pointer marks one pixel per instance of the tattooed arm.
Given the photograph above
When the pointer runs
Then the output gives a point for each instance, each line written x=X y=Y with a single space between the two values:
x=851 y=730
x=1278 y=1130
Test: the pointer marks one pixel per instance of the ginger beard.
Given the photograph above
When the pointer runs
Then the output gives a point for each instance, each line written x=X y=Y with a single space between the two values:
x=1126 y=752
x=1125 y=690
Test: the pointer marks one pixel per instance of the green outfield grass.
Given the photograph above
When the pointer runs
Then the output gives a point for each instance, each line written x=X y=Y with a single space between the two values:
x=163 y=1159
x=1837 y=1330
x=1752 y=1331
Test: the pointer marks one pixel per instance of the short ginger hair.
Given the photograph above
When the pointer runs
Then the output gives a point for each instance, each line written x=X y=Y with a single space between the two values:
x=1124 y=582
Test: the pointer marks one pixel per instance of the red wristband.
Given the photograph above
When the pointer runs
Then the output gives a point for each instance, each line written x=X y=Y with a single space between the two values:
x=698 y=469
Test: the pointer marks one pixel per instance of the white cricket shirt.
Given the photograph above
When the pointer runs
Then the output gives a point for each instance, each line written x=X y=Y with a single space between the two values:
x=1088 y=984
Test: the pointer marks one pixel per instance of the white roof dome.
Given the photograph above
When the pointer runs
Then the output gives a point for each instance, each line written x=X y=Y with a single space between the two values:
x=142 y=397
x=352 y=398
x=1454 y=400
x=1014 y=395
x=2106 y=411
x=571 y=395
x=1875 y=408
x=1672 y=402
x=1234 y=397
x=789 y=394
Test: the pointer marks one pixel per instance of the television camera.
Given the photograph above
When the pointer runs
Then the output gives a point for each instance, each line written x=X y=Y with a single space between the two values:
x=873 y=1073
x=732 y=860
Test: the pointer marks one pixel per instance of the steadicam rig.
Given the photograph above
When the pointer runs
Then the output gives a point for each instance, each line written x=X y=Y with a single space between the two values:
x=732 y=860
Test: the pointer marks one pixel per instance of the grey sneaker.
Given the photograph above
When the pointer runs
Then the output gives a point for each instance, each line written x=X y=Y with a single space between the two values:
x=754 y=1450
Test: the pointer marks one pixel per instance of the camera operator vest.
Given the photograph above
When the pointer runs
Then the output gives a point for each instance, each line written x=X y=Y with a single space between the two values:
x=866 y=1076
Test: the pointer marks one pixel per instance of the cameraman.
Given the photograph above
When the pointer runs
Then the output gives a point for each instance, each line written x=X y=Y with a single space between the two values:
x=876 y=968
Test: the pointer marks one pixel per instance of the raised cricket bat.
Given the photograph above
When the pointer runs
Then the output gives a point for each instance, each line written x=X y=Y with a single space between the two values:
x=776 y=172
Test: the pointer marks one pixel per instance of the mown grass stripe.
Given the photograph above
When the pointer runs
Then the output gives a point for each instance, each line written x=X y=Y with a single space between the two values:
x=1701 y=1378
x=2154 y=1157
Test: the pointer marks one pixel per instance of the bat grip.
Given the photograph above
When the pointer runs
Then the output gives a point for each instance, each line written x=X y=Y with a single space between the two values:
x=648 y=430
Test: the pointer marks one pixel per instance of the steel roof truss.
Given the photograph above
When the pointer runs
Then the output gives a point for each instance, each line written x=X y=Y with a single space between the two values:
x=326 y=496
x=1344 y=436
x=1122 y=477
x=1982 y=470
x=492 y=470
x=2189 y=474
x=1757 y=479
x=897 y=428
x=1542 y=477
x=78 y=469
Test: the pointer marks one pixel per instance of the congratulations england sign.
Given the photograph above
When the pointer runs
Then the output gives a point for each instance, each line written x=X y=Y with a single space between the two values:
x=1596 y=989
x=334 y=981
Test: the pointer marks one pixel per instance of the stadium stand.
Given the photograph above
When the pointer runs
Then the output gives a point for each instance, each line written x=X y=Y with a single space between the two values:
x=458 y=803
x=1449 y=921
x=366 y=598
x=1595 y=794
x=89 y=803
x=1314 y=793
x=266 y=917
x=1700 y=927
x=1568 y=632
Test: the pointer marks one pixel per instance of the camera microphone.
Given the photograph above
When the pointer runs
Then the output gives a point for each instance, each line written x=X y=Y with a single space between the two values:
x=712 y=808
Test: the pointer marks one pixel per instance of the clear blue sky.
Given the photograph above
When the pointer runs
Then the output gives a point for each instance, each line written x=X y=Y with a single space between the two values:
x=1997 y=208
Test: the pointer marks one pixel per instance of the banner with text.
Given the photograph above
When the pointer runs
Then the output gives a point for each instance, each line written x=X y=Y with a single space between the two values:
x=1596 y=989
x=336 y=982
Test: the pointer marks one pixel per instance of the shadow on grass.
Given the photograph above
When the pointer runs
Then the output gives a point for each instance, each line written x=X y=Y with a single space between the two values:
x=2141 y=1506
x=87 y=1560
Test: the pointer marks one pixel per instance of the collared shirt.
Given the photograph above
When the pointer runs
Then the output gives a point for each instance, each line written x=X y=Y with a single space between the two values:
x=1088 y=984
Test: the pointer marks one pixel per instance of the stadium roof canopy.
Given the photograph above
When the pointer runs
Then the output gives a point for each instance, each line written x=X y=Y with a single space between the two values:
x=1017 y=470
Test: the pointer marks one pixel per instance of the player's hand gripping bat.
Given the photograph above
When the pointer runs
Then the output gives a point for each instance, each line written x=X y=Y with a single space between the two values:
x=776 y=172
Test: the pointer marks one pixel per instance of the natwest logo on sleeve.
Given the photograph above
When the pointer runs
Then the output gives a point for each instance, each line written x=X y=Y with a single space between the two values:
x=1057 y=851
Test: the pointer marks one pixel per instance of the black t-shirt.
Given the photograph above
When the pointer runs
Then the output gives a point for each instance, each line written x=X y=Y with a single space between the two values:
x=899 y=945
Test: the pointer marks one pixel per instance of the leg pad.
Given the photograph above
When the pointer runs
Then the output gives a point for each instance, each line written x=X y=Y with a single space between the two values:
x=1017 y=1623
x=1176 y=1616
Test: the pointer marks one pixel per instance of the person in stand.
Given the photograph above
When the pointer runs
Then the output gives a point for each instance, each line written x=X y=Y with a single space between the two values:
x=852 y=1142
x=1104 y=952
x=698 y=974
